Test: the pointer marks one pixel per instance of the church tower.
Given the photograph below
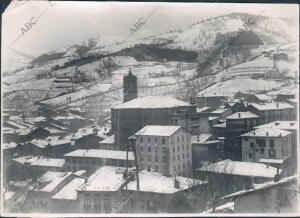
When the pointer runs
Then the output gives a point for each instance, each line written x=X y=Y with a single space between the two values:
x=129 y=87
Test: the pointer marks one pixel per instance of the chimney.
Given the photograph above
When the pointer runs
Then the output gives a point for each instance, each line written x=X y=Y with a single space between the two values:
x=239 y=115
x=292 y=124
x=176 y=183
x=276 y=123
x=248 y=183
x=254 y=132
x=277 y=176
x=198 y=138
x=267 y=133
x=277 y=104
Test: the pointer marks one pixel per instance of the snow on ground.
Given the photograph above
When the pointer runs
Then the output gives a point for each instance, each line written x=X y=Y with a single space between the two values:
x=230 y=87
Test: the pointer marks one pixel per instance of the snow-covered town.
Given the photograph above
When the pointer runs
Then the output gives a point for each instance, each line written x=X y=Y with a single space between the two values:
x=197 y=120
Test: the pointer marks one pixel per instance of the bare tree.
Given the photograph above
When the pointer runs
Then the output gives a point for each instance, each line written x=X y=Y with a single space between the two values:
x=218 y=184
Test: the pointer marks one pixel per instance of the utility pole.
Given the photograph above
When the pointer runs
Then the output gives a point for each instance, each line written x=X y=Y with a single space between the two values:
x=136 y=172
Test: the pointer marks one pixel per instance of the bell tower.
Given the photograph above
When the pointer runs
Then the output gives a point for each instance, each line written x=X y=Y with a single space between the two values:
x=129 y=86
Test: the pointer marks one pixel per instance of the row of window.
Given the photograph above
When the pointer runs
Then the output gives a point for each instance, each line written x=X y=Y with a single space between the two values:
x=94 y=161
x=163 y=140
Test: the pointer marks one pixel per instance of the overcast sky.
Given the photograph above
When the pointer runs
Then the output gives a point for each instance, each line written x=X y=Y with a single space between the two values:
x=68 y=23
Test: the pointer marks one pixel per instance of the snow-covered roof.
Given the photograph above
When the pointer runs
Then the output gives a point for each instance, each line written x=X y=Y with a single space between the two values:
x=69 y=116
x=240 y=168
x=84 y=132
x=158 y=183
x=202 y=109
x=220 y=125
x=107 y=178
x=28 y=119
x=40 y=161
x=9 y=145
x=52 y=130
x=152 y=102
x=273 y=161
x=68 y=192
x=200 y=138
x=153 y=130
x=51 y=180
x=258 y=187
x=219 y=110
x=242 y=115
x=101 y=153
x=108 y=140
x=50 y=140
x=267 y=132
x=285 y=125
x=212 y=118
x=263 y=97
x=272 y=106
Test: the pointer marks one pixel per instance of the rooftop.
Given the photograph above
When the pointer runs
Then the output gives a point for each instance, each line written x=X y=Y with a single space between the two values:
x=272 y=106
x=106 y=178
x=157 y=183
x=267 y=132
x=258 y=187
x=101 y=153
x=240 y=168
x=210 y=95
x=68 y=192
x=153 y=130
x=51 y=180
x=203 y=109
x=40 y=161
x=242 y=115
x=152 y=102
x=263 y=97
x=9 y=145
x=50 y=140
x=220 y=125
x=108 y=140
x=200 y=138
x=285 y=125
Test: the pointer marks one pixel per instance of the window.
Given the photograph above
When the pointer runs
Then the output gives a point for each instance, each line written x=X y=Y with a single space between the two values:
x=183 y=147
x=250 y=155
x=178 y=148
x=251 y=144
x=262 y=151
x=182 y=156
x=246 y=138
x=272 y=152
x=182 y=138
x=177 y=138
x=261 y=142
x=173 y=149
x=141 y=139
x=271 y=142
x=187 y=155
x=155 y=139
x=149 y=149
x=178 y=157
x=257 y=150
x=148 y=138
x=163 y=141
x=183 y=166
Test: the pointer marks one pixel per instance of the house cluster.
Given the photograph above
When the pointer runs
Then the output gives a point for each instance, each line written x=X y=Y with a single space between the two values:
x=154 y=151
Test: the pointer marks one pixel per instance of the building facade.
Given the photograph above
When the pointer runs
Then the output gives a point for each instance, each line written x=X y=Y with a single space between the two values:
x=164 y=149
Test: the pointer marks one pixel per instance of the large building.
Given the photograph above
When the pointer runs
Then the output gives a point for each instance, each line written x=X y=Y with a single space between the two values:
x=267 y=145
x=108 y=191
x=237 y=124
x=131 y=116
x=270 y=112
x=210 y=100
x=91 y=159
x=291 y=126
x=165 y=149
x=130 y=87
